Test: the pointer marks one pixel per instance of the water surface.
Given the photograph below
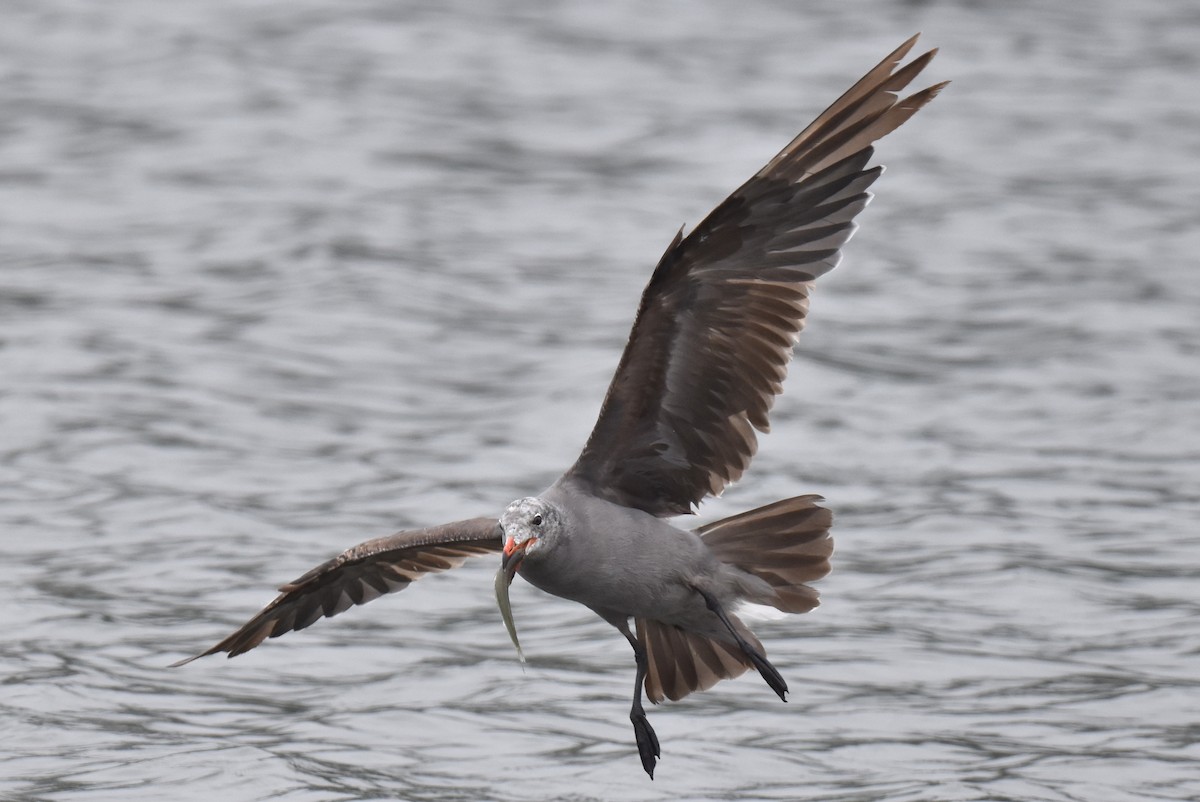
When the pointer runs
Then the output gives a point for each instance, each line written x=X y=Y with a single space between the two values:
x=279 y=277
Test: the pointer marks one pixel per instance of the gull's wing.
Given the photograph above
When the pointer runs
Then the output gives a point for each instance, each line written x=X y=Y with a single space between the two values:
x=361 y=574
x=714 y=331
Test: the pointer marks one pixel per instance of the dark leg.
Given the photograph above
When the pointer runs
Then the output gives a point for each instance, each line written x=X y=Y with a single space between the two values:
x=759 y=659
x=647 y=741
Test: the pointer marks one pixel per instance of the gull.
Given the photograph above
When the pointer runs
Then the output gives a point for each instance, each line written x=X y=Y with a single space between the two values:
x=706 y=358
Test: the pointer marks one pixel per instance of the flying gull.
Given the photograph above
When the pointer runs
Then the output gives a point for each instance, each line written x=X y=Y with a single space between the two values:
x=705 y=359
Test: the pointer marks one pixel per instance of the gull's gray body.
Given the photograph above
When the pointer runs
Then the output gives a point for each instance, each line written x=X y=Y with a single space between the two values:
x=660 y=583
x=706 y=357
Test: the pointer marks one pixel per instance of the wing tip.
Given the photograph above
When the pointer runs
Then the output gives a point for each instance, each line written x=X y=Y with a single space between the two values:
x=186 y=660
x=900 y=52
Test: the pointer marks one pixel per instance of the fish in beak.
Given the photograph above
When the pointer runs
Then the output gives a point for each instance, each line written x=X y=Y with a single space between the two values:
x=514 y=553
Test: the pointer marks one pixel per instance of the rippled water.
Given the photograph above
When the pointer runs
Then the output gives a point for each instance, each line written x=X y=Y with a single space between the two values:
x=278 y=277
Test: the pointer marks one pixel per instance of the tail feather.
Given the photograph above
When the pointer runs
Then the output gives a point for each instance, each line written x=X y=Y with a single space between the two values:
x=785 y=544
x=681 y=662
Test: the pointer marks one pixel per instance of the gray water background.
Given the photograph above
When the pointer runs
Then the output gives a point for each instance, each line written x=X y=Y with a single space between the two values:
x=276 y=277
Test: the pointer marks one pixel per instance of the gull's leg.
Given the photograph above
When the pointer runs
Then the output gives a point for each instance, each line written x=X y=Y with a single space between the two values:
x=647 y=741
x=760 y=661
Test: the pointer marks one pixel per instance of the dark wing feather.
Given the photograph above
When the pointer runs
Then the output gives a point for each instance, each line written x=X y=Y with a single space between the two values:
x=714 y=332
x=362 y=574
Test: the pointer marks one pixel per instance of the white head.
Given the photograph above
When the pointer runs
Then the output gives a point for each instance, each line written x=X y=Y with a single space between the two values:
x=531 y=526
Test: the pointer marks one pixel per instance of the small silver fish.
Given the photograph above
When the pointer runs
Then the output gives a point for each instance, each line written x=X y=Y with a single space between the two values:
x=503 y=580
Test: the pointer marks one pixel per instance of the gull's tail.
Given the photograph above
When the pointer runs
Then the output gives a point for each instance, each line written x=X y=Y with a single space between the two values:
x=786 y=544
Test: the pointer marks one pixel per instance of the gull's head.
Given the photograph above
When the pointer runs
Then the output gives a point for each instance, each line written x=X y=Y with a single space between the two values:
x=530 y=526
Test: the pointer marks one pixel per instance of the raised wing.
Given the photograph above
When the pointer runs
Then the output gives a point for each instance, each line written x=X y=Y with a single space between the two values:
x=362 y=574
x=714 y=332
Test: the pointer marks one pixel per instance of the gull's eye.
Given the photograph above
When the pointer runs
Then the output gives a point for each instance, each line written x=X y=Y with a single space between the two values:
x=536 y=520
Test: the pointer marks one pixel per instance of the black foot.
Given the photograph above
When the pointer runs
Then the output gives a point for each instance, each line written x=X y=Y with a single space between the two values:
x=647 y=741
x=768 y=672
x=760 y=661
